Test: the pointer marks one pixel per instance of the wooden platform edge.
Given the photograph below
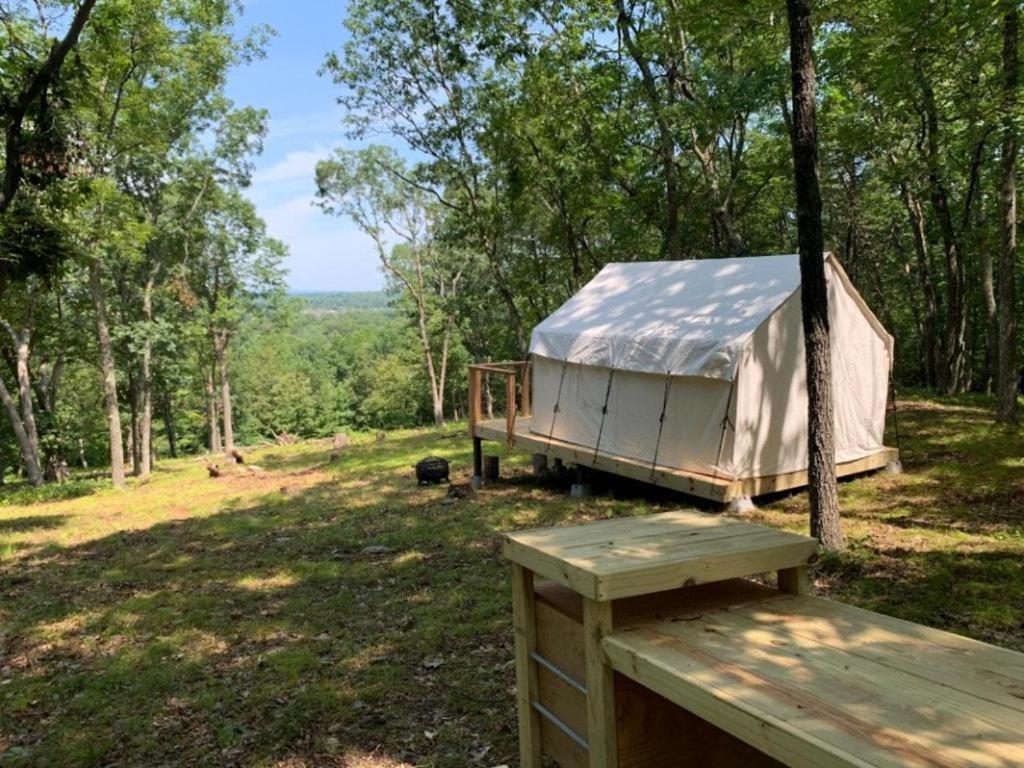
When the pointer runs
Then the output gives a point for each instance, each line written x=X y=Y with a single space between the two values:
x=694 y=483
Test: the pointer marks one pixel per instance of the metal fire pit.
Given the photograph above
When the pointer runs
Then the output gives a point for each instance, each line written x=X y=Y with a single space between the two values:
x=432 y=469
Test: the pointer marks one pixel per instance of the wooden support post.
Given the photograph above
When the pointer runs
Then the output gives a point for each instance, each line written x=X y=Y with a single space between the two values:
x=601 y=735
x=796 y=581
x=510 y=408
x=524 y=622
x=525 y=395
x=475 y=376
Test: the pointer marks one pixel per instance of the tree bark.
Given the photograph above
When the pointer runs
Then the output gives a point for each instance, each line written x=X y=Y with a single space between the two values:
x=221 y=353
x=824 y=497
x=924 y=275
x=212 y=415
x=988 y=295
x=28 y=438
x=146 y=386
x=952 y=373
x=1007 y=380
x=109 y=375
x=132 y=442
x=167 y=409
x=31 y=463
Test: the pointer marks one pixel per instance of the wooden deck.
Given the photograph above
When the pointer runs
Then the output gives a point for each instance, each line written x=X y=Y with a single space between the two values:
x=695 y=483
x=817 y=684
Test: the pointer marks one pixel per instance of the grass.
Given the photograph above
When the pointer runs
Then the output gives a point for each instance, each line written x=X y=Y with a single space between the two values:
x=240 y=621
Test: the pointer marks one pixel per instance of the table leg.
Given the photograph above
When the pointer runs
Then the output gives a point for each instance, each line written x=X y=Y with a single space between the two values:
x=524 y=621
x=601 y=735
x=796 y=580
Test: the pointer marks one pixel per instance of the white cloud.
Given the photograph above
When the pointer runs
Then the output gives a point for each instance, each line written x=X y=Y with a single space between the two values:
x=326 y=253
x=294 y=166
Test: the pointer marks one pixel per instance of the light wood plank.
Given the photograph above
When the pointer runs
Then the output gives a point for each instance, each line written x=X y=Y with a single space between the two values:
x=527 y=688
x=812 y=704
x=978 y=669
x=795 y=581
x=601 y=723
x=632 y=556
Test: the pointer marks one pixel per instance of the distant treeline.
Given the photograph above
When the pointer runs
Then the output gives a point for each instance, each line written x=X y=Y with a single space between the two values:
x=341 y=301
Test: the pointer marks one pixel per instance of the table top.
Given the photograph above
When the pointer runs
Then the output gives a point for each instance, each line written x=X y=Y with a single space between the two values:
x=817 y=683
x=630 y=556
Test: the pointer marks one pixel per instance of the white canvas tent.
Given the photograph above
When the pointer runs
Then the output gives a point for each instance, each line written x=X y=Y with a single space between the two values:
x=698 y=366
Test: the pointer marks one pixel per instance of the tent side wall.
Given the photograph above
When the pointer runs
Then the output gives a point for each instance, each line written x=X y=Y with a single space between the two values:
x=771 y=386
x=691 y=434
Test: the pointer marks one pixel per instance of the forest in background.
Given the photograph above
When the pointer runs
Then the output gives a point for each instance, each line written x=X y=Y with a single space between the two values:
x=527 y=144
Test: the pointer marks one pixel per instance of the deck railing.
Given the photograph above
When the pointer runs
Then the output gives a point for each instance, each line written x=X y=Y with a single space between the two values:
x=516 y=372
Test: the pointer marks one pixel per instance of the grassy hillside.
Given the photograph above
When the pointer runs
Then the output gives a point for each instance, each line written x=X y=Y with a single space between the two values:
x=242 y=621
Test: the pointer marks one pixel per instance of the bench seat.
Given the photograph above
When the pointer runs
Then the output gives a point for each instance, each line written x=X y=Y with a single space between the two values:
x=815 y=683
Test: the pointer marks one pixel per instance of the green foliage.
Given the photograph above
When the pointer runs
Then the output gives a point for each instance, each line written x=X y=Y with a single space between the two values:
x=341 y=301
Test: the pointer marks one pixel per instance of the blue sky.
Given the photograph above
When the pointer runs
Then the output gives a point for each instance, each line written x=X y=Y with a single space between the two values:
x=327 y=254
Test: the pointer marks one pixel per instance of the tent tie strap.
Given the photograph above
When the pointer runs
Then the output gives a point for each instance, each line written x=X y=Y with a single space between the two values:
x=726 y=424
x=557 y=409
x=661 y=425
x=604 y=413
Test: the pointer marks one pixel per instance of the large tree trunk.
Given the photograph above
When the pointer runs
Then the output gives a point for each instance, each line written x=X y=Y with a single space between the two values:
x=221 y=353
x=1007 y=380
x=824 y=497
x=109 y=375
x=167 y=410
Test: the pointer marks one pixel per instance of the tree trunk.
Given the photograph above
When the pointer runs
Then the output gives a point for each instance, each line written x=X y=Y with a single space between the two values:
x=988 y=295
x=824 y=498
x=28 y=457
x=212 y=415
x=167 y=407
x=221 y=353
x=924 y=275
x=146 y=386
x=1007 y=381
x=952 y=373
x=134 y=446
x=109 y=375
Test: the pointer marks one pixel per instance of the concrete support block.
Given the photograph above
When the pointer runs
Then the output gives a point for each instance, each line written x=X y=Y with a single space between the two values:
x=741 y=505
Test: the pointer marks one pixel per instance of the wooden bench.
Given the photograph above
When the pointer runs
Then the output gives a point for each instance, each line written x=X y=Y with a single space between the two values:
x=605 y=563
x=624 y=659
x=816 y=683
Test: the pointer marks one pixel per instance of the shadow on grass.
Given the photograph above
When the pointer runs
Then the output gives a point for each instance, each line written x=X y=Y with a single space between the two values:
x=266 y=632
x=31 y=522
x=24 y=494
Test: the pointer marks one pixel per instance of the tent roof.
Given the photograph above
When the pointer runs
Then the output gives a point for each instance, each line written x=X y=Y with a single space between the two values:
x=687 y=318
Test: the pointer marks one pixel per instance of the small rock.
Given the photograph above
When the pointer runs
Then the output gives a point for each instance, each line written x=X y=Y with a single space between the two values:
x=376 y=549
x=433 y=663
